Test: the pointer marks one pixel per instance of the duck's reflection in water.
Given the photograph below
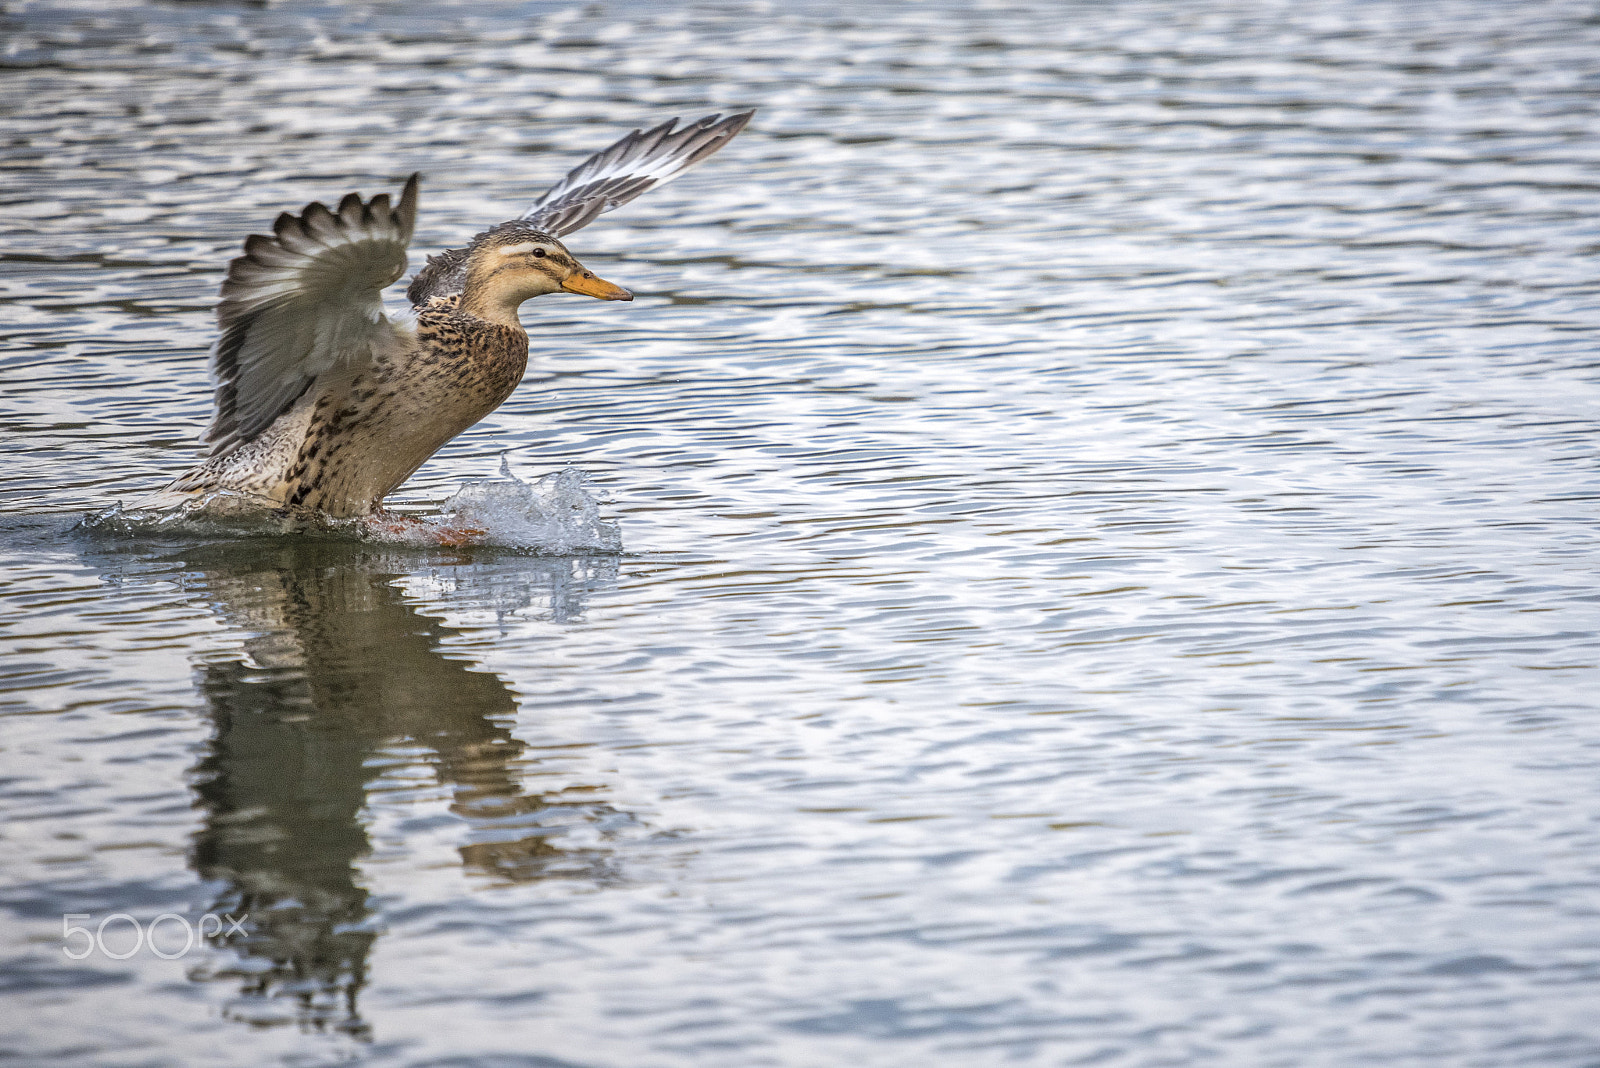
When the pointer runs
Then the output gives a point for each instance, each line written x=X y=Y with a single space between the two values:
x=341 y=680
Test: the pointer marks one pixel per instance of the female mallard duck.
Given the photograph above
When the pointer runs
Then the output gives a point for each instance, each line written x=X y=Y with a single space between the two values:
x=323 y=405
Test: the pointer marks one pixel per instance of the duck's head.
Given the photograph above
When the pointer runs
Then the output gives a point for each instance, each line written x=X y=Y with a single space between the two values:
x=513 y=262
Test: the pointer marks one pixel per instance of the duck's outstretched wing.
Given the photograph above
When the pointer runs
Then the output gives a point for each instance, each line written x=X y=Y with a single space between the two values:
x=642 y=160
x=608 y=179
x=300 y=302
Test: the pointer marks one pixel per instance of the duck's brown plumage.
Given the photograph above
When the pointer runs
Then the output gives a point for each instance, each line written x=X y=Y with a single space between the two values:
x=342 y=447
x=323 y=404
x=363 y=441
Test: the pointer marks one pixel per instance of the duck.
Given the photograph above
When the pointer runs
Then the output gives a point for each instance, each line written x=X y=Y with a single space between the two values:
x=324 y=405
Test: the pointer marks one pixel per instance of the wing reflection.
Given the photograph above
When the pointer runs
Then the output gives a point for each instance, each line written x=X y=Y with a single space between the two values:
x=341 y=682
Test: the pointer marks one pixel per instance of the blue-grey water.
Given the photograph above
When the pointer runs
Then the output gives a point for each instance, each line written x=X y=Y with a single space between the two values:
x=1108 y=495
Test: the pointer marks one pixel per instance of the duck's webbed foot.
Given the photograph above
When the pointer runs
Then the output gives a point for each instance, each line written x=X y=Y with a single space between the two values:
x=399 y=527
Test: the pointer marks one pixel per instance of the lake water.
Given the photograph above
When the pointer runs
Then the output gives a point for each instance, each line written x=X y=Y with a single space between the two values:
x=1108 y=503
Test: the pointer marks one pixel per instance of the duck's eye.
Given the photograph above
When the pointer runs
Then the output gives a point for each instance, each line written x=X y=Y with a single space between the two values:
x=538 y=253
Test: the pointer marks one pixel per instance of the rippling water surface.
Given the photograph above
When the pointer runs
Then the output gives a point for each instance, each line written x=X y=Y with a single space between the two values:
x=1108 y=506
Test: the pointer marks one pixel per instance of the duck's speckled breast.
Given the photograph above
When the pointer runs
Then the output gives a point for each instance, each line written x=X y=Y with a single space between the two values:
x=366 y=439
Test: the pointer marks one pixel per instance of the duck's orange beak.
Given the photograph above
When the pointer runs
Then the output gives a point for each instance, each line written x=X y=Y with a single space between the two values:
x=586 y=283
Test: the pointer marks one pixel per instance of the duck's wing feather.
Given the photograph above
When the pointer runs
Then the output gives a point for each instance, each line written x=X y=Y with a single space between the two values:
x=642 y=160
x=608 y=179
x=301 y=302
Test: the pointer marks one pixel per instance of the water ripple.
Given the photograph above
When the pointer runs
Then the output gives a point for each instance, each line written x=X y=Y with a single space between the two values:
x=1108 y=498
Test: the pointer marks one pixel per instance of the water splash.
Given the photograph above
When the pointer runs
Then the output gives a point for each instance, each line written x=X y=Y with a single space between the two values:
x=557 y=515
x=221 y=514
